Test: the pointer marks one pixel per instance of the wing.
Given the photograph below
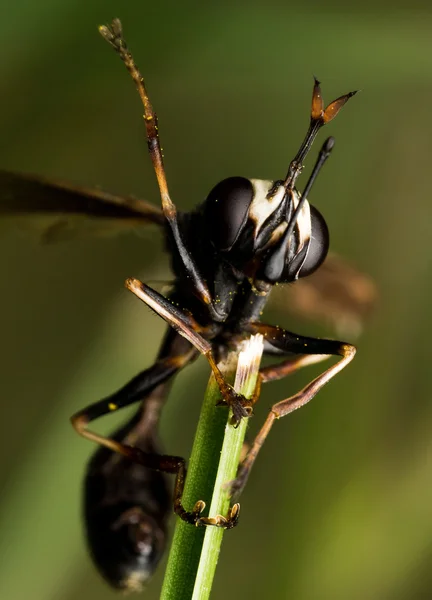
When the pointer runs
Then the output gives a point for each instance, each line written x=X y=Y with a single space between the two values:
x=59 y=210
x=336 y=293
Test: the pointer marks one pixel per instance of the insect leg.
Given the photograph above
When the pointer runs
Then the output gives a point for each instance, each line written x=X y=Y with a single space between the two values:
x=134 y=391
x=286 y=341
x=139 y=386
x=138 y=389
x=186 y=326
x=113 y=34
x=291 y=365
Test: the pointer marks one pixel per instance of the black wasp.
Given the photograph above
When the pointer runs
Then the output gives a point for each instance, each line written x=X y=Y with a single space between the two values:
x=253 y=234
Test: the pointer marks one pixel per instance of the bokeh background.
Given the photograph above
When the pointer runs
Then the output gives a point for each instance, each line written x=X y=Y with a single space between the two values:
x=339 y=504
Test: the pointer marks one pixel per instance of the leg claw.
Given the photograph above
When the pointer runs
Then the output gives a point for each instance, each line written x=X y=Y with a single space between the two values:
x=198 y=508
x=242 y=407
x=228 y=522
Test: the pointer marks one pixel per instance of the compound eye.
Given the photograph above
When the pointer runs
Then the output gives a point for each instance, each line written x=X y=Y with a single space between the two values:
x=319 y=243
x=226 y=211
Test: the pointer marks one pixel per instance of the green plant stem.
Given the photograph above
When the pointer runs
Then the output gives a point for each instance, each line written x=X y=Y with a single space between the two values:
x=195 y=550
x=187 y=541
x=228 y=464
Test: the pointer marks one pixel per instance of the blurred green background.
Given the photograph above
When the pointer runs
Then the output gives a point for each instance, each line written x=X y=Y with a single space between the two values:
x=339 y=503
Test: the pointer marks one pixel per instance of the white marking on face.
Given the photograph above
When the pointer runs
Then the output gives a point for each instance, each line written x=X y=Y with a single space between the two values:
x=303 y=226
x=262 y=207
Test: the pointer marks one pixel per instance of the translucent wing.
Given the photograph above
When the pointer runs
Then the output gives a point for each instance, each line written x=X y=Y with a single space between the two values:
x=58 y=210
x=336 y=293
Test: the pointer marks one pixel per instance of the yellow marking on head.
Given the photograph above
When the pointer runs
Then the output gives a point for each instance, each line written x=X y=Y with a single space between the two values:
x=112 y=406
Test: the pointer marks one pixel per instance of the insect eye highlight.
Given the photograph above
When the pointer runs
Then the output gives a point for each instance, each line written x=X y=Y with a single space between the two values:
x=226 y=211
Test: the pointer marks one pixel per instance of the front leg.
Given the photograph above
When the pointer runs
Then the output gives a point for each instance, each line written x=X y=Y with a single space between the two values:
x=113 y=34
x=186 y=326
x=316 y=349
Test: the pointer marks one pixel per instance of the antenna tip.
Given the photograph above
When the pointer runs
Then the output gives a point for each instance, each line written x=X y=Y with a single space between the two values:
x=328 y=145
x=112 y=32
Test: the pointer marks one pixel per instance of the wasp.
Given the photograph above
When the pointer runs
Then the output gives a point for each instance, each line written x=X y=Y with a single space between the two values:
x=227 y=255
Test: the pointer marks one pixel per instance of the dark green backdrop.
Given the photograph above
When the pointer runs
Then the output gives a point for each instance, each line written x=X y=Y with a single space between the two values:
x=346 y=482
